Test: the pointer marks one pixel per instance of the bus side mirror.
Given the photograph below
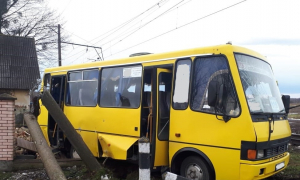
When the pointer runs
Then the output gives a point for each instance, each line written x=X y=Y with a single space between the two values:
x=215 y=94
x=212 y=94
x=286 y=103
x=221 y=95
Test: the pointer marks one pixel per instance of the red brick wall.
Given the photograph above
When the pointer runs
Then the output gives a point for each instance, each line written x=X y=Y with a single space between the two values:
x=7 y=126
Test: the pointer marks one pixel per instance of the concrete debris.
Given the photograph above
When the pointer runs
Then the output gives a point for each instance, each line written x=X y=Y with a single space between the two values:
x=23 y=133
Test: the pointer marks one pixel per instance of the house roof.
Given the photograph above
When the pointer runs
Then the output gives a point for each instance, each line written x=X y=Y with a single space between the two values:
x=18 y=62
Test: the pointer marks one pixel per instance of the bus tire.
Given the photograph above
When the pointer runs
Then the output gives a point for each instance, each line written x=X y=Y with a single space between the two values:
x=193 y=167
x=73 y=153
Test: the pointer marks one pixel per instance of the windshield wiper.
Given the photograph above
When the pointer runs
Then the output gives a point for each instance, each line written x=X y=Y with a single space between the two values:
x=281 y=111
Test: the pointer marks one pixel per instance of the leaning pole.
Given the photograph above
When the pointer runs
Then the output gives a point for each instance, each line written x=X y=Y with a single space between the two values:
x=67 y=128
x=52 y=168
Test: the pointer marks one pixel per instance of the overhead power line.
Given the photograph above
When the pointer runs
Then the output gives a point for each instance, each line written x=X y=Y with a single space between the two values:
x=116 y=29
x=95 y=47
x=110 y=32
x=179 y=27
x=144 y=25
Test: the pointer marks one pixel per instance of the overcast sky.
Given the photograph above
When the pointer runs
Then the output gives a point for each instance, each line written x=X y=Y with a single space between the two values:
x=270 y=27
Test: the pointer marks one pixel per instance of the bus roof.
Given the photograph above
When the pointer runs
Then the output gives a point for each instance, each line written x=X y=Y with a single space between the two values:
x=219 y=49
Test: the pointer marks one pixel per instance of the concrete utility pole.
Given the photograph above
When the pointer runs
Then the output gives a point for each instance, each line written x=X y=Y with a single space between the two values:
x=59 y=46
x=68 y=129
x=52 y=168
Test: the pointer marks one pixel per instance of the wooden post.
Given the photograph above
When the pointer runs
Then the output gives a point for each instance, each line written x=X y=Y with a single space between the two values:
x=67 y=128
x=53 y=170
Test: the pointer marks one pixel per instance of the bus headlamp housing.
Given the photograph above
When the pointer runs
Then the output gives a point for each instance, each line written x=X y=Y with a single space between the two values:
x=260 y=154
x=255 y=154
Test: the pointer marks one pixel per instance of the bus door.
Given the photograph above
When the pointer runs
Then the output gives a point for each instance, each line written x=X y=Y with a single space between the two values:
x=164 y=86
x=57 y=91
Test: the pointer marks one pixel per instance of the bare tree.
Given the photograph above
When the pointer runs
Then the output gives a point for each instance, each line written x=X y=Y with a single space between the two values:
x=32 y=18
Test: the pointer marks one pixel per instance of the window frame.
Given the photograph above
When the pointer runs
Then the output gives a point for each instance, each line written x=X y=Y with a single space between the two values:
x=232 y=82
x=118 y=66
x=67 y=83
x=44 y=80
x=174 y=80
x=158 y=117
x=234 y=53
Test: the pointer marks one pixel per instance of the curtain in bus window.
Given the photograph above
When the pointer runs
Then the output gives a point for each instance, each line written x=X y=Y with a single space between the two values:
x=89 y=91
x=75 y=76
x=74 y=88
x=212 y=69
x=182 y=83
x=120 y=87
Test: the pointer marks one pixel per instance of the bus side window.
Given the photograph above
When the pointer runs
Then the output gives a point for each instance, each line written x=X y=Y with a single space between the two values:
x=82 y=88
x=182 y=83
x=89 y=90
x=207 y=69
x=121 y=87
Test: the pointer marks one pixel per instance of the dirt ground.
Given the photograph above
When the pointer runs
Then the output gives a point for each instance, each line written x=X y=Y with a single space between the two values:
x=122 y=170
x=292 y=172
x=115 y=170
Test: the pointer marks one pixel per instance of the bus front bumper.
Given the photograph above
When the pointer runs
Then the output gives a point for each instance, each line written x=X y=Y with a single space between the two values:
x=261 y=171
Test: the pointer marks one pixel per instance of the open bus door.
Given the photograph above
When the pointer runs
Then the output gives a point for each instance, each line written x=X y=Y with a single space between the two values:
x=164 y=87
x=57 y=91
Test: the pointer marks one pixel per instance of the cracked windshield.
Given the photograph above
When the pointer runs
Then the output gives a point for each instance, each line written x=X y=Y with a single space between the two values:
x=260 y=87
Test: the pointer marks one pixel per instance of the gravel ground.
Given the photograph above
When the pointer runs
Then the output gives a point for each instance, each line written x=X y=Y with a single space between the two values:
x=27 y=175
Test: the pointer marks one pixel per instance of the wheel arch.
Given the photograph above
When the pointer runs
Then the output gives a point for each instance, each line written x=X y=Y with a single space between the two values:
x=180 y=155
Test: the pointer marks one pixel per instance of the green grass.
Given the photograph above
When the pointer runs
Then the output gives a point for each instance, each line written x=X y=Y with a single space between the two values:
x=292 y=172
x=295 y=116
x=5 y=175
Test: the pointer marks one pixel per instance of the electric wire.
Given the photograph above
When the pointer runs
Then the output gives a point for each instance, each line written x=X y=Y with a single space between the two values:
x=116 y=28
x=126 y=31
x=82 y=53
x=143 y=25
x=65 y=7
x=127 y=22
x=179 y=27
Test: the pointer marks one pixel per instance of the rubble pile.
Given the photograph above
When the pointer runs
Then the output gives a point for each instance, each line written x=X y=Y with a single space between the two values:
x=23 y=134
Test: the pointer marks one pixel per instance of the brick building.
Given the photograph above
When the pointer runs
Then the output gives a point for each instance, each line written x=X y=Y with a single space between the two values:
x=19 y=70
x=7 y=127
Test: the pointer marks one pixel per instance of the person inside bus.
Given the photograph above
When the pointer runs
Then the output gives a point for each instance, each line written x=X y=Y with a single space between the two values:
x=130 y=94
x=108 y=95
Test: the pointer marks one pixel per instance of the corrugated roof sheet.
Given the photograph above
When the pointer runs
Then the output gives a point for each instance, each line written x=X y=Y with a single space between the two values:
x=18 y=62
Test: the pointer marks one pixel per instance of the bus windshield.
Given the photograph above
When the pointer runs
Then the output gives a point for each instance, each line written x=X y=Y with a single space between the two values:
x=259 y=85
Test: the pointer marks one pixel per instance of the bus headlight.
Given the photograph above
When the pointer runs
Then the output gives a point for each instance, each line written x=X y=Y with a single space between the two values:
x=260 y=154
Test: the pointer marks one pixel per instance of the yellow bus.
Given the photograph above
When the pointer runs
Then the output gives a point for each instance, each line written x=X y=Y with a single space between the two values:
x=210 y=113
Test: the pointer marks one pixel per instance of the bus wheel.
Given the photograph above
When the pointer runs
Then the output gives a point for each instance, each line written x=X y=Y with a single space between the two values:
x=73 y=153
x=193 y=167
